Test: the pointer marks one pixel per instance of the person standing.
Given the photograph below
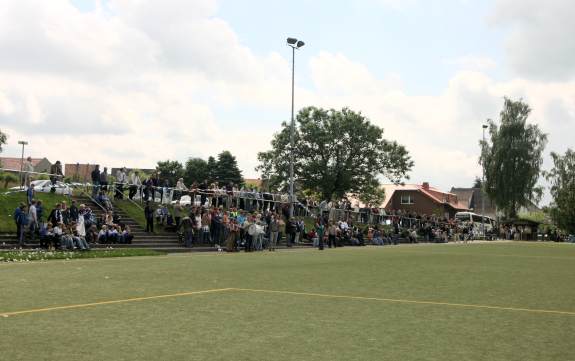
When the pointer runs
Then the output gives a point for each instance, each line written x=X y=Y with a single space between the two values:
x=149 y=215
x=104 y=180
x=178 y=213
x=320 y=230
x=56 y=173
x=95 y=176
x=74 y=212
x=121 y=179
x=39 y=211
x=21 y=219
x=332 y=234
x=55 y=216
x=291 y=229
x=135 y=184
x=30 y=192
x=274 y=229
x=180 y=188
x=28 y=167
x=188 y=231
x=32 y=219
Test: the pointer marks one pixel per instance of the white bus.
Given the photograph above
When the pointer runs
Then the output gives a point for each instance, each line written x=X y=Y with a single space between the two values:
x=477 y=220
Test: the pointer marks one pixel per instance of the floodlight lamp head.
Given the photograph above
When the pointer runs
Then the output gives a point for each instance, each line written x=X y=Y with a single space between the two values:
x=291 y=41
x=300 y=44
x=484 y=126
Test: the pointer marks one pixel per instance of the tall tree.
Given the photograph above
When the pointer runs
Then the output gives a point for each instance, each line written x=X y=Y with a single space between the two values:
x=512 y=158
x=196 y=171
x=227 y=170
x=170 y=170
x=336 y=152
x=477 y=182
x=562 y=179
x=212 y=165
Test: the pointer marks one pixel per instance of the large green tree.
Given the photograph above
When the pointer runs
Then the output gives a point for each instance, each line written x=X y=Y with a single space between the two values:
x=562 y=180
x=335 y=153
x=512 y=158
x=196 y=171
x=170 y=170
x=227 y=171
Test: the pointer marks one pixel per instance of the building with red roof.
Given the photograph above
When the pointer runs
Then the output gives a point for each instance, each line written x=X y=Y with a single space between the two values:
x=422 y=199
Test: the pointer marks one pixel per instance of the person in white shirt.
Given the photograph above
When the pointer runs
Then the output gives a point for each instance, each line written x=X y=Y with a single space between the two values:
x=180 y=187
x=121 y=179
x=135 y=183
x=28 y=167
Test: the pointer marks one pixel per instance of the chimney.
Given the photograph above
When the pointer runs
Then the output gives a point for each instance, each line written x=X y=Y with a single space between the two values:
x=425 y=185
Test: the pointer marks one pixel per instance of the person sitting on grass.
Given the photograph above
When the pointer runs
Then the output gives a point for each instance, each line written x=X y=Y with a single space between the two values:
x=43 y=232
x=113 y=234
x=52 y=238
x=67 y=242
x=162 y=215
x=103 y=235
x=127 y=235
x=79 y=240
x=104 y=201
x=92 y=234
x=377 y=239
x=413 y=235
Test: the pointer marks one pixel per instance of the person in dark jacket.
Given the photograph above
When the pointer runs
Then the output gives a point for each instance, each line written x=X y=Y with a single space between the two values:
x=291 y=229
x=21 y=219
x=95 y=175
x=74 y=212
x=55 y=216
x=149 y=214
x=187 y=227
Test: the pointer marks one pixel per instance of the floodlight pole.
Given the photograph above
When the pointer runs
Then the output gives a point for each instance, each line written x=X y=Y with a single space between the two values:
x=22 y=161
x=294 y=44
x=481 y=189
x=291 y=136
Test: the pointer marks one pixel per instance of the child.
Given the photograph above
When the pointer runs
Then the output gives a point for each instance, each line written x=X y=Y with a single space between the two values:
x=103 y=235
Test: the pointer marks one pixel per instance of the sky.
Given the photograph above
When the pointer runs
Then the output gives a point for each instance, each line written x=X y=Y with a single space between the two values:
x=132 y=82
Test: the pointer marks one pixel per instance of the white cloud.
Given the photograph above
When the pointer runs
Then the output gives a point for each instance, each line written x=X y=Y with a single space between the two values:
x=472 y=62
x=540 y=42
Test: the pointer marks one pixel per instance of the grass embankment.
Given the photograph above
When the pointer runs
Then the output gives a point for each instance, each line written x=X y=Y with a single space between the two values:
x=41 y=255
x=132 y=210
x=9 y=202
x=408 y=303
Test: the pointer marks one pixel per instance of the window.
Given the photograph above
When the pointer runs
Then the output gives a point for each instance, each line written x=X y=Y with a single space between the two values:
x=406 y=199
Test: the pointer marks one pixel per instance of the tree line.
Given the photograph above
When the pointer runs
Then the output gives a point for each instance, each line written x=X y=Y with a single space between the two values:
x=221 y=170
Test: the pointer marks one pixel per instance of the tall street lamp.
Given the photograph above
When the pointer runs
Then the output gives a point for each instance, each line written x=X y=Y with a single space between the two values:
x=294 y=44
x=484 y=126
x=23 y=142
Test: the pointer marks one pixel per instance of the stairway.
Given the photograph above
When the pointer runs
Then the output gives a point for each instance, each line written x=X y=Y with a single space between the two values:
x=161 y=240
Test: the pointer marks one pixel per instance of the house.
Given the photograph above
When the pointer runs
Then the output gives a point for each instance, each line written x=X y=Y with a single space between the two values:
x=41 y=165
x=257 y=183
x=472 y=199
x=79 y=172
x=422 y=199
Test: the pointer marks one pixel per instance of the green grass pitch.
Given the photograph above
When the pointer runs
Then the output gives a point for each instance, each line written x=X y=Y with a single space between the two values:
x=423 y=302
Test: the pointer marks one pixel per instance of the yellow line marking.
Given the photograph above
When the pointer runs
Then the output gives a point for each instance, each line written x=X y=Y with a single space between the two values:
x=570 y=313
x=135 y=299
